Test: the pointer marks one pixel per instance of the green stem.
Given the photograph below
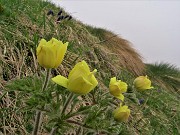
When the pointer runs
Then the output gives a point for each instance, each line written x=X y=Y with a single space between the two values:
x=46 y=80
x=38 y=117
x=69 y=99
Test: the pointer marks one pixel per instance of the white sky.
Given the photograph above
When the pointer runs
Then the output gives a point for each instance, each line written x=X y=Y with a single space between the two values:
x=153 y=27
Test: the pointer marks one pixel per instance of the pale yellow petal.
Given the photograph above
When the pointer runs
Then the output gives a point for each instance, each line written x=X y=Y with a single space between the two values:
x=52 y=46
x=61 y=80
x=114 y=90
x=55 y=41
x=122 y=113
x=46 y=57
x=93 y=81
x=77 y=66
x=113 y=80
x=42 y=43
x=122 y=117
x=80 y=68
x=122 y=86
x=86 y=67
x=60 y=52
x=80 y=85
x=91 y=78
x=123 y=108
x=121 y=97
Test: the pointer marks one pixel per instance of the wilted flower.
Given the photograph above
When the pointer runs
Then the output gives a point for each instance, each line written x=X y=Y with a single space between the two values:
x=60 y=12
x=50 y=54
x=117 y=87
x=142 y=83
x=121 y=114
x=80 y=79
x=50 y=12
x=70 y=17
x=67 y=16
x=141 y=101
x=60 y=18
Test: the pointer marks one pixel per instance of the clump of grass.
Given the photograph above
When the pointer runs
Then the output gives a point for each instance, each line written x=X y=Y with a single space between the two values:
x=97 y=32
x=166 y=75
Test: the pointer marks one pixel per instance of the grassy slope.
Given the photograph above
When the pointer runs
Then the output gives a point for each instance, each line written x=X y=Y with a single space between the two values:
x=23 y=24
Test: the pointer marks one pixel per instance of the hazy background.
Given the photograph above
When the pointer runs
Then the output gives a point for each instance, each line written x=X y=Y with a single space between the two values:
x=153 y=27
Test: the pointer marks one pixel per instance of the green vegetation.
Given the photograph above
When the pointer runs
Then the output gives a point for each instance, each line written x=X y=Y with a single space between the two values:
x=166 y=75
x=23 y=24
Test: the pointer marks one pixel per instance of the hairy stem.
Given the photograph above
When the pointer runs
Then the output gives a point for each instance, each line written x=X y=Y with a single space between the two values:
x=69 y=99
x=46 y=80
x=38 y=117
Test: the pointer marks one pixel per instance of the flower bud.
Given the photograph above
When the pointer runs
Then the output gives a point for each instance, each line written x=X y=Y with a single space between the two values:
x=50 y=54
x=117 y=87
x=142 y=83
x=121 y=114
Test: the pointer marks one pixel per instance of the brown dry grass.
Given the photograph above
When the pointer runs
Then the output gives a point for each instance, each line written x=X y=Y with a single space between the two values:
x=127 y=57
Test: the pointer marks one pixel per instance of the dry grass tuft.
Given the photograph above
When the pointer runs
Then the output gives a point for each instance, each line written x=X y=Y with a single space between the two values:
x=127 y=57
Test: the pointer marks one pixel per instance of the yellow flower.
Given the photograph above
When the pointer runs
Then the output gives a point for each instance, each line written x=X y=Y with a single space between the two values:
x=117 y=87
x=80 y=79
x=50 y=54
x=121 y=114
x=142 y=83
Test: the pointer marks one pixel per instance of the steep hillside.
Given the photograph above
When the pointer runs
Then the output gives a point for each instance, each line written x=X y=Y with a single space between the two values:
x=23 y=23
